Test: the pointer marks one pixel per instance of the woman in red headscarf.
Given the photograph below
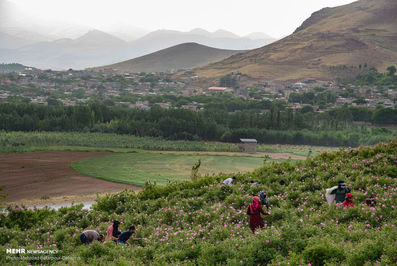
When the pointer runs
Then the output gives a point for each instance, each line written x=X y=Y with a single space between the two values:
x=254 y=211
x=349 y=201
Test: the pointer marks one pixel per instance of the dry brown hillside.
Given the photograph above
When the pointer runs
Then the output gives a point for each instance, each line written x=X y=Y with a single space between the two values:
x=362 y=32
x=182 y=56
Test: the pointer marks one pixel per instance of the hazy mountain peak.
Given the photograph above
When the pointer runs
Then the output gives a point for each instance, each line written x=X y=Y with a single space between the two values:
x=200 y=31
x=164 y=31
x=258 y=36
x=225 y=34
x=94 y=33
x=94 y=37
x=9 y=41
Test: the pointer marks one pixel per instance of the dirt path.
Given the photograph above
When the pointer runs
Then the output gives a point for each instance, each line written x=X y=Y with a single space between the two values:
x=27 y=176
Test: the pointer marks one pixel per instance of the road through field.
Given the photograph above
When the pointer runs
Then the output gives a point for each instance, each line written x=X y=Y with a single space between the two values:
x=48 y=174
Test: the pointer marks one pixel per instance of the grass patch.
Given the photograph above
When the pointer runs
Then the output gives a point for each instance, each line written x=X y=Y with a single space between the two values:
x=137 y=168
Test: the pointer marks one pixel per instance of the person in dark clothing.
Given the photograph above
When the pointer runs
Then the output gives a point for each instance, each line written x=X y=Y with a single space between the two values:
x=341 y=191
x=84 y=239
x=113 y=231
x=263 y=199
x=123 y=238
x=254 y=211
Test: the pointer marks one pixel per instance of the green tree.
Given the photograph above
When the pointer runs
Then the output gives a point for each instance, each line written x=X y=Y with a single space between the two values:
x=52 y=101
x=228 y=81
x=391 y=70
x=385 y=116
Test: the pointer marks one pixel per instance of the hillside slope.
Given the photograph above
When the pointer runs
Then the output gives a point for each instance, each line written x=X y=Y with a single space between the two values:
x=204 y=223
x=7 y=41
x=362 y=32
x=183 y=56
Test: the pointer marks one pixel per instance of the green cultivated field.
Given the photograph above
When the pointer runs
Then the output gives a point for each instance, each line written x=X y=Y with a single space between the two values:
x=137 y=168
x=76 y=141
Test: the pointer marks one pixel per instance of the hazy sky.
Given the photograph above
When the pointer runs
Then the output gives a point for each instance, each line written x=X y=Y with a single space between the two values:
x=274 y=17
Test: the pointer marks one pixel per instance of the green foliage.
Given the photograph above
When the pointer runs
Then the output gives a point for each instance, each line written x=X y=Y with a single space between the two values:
x=322 y=252
x=314 y=97
x=373 y=77
x=391 y=70
x=279 y=125
x=228 y=81
x=195 y=168
x=2 y=196
x=385 y=116
x=23 y=218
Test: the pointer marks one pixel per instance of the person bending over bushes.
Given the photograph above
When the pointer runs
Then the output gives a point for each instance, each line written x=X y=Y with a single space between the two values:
x=254 y=211
x=123 y=238
x=89 y=236
x=113 y=231
x=341 y=191
x=228 y=181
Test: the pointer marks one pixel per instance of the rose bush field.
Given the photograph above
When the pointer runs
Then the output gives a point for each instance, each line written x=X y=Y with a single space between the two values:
x=201 y=222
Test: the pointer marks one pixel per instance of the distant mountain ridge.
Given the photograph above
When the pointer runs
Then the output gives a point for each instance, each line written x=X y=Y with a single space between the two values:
x=221 y=39
x=364 y=32
x=96 y=48
x=8 y=41
x=181 y=56
x=99 y=38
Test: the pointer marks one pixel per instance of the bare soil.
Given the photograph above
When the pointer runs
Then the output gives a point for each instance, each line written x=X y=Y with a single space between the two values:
x=31 y=176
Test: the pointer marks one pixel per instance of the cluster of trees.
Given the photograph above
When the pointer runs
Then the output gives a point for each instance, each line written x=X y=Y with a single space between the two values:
x=150 y=78
x=314 y=97
x=213 y=124
x=228 y=81
x=226 y=102
x=375 y=78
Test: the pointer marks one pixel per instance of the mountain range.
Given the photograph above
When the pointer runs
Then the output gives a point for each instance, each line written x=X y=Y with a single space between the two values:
x=181 y=56
x=97 y=48
x=361 y=33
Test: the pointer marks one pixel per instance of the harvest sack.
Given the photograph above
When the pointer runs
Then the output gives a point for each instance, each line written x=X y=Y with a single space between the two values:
x=330 y=197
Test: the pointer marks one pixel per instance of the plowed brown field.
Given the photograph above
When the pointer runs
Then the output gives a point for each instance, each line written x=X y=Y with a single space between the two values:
x=34 y=175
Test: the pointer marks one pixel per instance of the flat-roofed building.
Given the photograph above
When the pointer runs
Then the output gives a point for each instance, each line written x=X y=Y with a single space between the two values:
x=248 y=145
x=219 y=89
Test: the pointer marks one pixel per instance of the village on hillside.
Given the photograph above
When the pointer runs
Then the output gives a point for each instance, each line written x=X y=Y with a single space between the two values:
x=133 y=90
